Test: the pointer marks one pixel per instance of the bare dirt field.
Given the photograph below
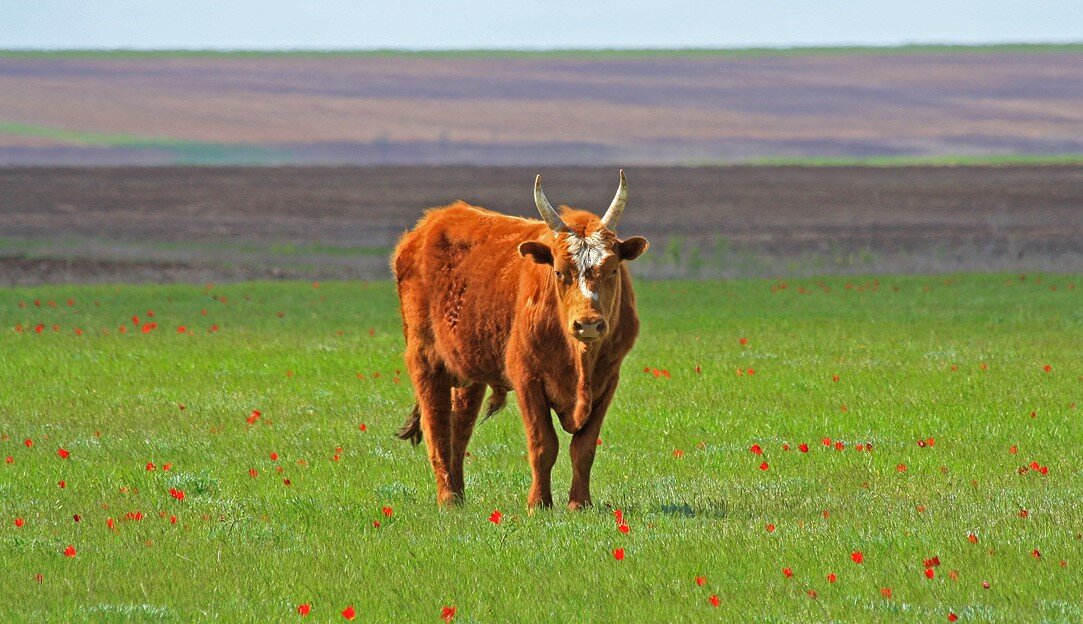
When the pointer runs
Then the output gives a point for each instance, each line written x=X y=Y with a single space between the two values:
x=224 y=224
x=684 y=109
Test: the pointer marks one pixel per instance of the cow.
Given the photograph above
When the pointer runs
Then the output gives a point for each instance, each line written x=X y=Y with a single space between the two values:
x=542 y=308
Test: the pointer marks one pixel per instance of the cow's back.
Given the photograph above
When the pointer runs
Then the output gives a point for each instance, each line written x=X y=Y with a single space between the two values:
x=457 y=273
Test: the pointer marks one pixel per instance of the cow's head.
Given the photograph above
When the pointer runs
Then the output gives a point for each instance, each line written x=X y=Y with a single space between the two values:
x=585 y=257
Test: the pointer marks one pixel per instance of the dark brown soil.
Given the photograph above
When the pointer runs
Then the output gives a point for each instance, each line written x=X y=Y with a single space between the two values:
x=200 y=224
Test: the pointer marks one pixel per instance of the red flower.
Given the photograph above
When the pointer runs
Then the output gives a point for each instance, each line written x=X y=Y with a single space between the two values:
x=447 y=613
x=831 y=578
x=755 y=449
x=274 y=456
x=714 y=600
x=252 y=472
x=150 y=466
x=349 y=613
x=802 y=447
x=839 y=446
x=19 y=522
x=619 y=516
x=253 y=417
x=28 y=442
x=857 y=556
x=363 y=427
x=930 y=573
x=62 y=484
x=496 y=516
x=764 y=466
x=111 y=524
x=827 y=441
x=304 y=609
x=932 y=563
x=701 y=580
x=788 y=573
x=1047 y=368
x=770 y=528
x=834 y=378
x=973 y=539
x=901 y=467
x=623 y=528
x=9 y=459
x=177 y=494
x=886 y=592
x=63 y=453
x=618 y=554
x=952 y=617
x=69 y=551
x=387 y=511
x=678 y=453
x=743 y=341
x=167 y=467
x=1036 y=554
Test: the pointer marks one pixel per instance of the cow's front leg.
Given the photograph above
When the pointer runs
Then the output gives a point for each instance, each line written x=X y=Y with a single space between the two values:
x=584 y=445
x=541 y=444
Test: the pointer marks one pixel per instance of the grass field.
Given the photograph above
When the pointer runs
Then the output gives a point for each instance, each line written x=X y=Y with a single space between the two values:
x=920 y=399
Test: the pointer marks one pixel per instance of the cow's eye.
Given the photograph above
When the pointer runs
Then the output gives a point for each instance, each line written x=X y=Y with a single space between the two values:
x=560 y=275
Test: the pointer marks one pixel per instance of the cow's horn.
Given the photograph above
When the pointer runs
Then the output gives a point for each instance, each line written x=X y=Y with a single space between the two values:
x=616 y=209
x=546 y=209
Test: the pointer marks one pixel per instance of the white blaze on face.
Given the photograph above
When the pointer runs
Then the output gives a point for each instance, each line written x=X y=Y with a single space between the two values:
x=587 y=253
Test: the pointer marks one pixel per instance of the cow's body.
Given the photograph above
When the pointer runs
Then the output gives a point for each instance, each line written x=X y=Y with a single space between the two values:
x=479 y=311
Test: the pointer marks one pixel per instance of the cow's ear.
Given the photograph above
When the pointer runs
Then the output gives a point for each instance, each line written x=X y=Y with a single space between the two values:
x=540 y=252
x=632 y=248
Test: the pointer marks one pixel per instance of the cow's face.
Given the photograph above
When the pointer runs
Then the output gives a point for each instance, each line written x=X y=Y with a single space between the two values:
x=585 y=257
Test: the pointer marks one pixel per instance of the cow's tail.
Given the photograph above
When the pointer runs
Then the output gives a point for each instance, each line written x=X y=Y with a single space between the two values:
x=497 y=400
x=411 y=429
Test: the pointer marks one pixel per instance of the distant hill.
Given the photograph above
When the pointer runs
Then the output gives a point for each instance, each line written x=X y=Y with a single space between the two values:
x=542 y=108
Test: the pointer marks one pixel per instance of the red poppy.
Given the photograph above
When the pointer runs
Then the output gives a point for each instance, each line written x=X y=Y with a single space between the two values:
x=447 y=613
x=827 y=441
x=764 y=466
x=177 y=494
x=770 y=528
x=678 y=453
x=985 y=585
x=69 y=551
x=932 y=563
x=62 y=484
x=787 y=572
x=952 y=617
x=349 y=613
x=387 y=511
x=274 y=456
x=252 y=472
x=1036 y=554
x=253 y=417
x=1047 y=368
x=701 y=580
x=973 y=539
x=150 y=466
x=886 y=592
x=831 y=578
x=802 y=447
x=111 y=524
x=304 y=609
x=618 y=554
x=930 y=573
x=363 y=427
x=714 y=600
x=743 y=341
x=834 y=378
x=755 y=449
x=167 y=467
x=19 y=522
x=63 y=453
x=496 y=516
x=857 y=556
x=28 y=443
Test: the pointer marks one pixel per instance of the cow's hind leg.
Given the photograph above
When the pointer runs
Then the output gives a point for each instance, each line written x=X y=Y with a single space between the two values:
x=465 y=405
x=432 y=385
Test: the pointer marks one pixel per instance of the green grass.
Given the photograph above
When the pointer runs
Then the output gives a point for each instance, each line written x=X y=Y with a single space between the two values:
x=571 y=53
x=960 y=360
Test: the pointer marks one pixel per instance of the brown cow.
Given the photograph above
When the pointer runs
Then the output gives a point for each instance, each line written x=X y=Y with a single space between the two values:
x=542 y=308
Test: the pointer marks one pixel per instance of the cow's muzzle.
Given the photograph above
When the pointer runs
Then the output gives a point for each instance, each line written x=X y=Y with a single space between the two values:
x=589 y=330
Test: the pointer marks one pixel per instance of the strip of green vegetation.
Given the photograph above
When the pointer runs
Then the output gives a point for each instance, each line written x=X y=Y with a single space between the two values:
x=589 y=53
x=919 y=161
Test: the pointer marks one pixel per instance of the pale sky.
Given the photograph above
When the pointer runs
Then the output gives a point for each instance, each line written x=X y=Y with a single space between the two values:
x=428 y=24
